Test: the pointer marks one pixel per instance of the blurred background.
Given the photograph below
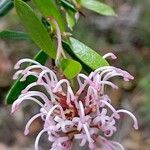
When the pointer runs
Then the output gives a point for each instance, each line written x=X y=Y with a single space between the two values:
x=126 y=35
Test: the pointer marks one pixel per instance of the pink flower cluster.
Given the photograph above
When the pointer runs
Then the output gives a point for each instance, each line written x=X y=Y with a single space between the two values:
x=85 y=115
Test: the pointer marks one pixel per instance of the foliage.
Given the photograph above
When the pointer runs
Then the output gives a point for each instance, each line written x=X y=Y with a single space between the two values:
x=43 y=36
x=34 y=27
x=98 y=7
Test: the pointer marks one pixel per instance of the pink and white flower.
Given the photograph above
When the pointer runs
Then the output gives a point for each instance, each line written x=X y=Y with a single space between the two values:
x=73 y=115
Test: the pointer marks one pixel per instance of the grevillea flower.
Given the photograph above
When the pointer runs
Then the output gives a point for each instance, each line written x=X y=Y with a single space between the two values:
x=85 y=115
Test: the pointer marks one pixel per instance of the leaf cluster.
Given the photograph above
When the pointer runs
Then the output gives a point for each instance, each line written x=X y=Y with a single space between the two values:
x=79 y=55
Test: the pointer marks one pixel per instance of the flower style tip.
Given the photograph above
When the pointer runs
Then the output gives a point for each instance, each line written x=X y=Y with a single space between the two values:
x=14 y=107
x=126 y=76
x=113 y=56
x=135 y=125
x=26 y=132
x=13 y=111
x=17 y=65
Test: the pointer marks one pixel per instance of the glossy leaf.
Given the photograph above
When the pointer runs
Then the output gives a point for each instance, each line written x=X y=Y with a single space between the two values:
x=18 y=86
x=68 y=49
x=14 y=35
x=34 y=27
x=5 y=6
x=85 y=54
x=70 y=19
x=98 y=7
x=68 y=6
x=49 y=9
x=70 y=67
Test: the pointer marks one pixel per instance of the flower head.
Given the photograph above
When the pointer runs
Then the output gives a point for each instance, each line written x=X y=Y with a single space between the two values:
x=86 y=114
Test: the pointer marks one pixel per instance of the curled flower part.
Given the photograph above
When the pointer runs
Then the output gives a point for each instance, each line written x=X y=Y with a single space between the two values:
x=131 y=115
x=106 y=83
x=109 y=128
x=58 y=87
x=29 y=87
x=25 y=60
x=126 y=76
x=80 y=123
x=85 y=114
x=24 y=77
x=83 y=138
x=38 y=138
x=87 y=80
x=62 y=143
x=26 y=131
x=111 y=108
x=36 y=94
x=91 y=94
x=82 y=86
x=82 y=114
x=70 y=96
x=63 y=124
x=17 y=74
x=110 y=55
x=33 y=67
x=90 y=140
x=104 y=72
x=104 y=68
x=53 y=78
x=52 y=110
x=110 y=75
x=16 y=104
x=101 y=119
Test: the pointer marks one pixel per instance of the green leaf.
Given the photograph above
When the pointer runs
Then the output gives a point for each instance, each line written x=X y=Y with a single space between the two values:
x=70 y=67
x=70 y=19
x=86 y=55
x=5 y=6
x=34 y=27
x=14 y=35
x=98 y=7
x=18 y=86
x=68 y=49
x=68 y=6
x=49 y=9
